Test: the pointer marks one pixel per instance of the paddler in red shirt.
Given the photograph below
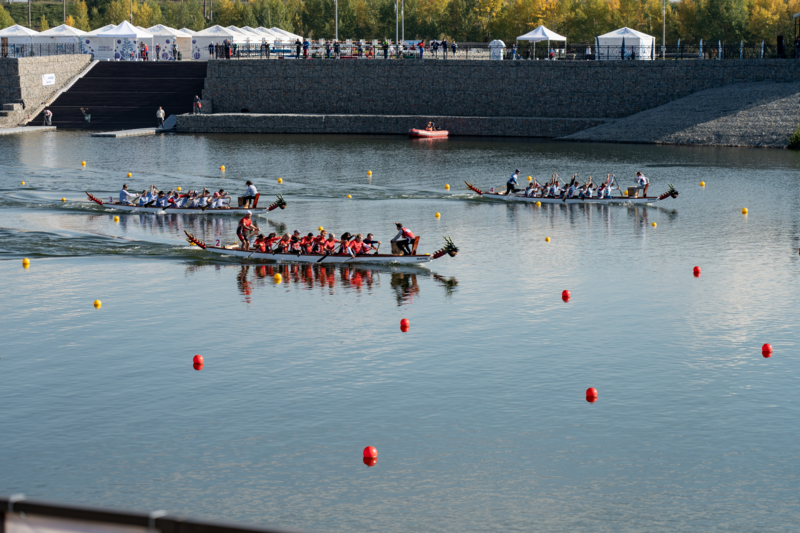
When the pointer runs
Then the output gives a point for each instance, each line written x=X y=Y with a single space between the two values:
x=319 y=241
x=244 y=229
x=403 y=238
x=307 y=243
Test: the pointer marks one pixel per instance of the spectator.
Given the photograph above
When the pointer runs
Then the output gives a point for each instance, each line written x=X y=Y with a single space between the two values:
x=336 y=49
x=211 y=50
x=48 y=118
x=444 y=47
x=455 y=48
x=528 y=53
x=160 y=117
x=360 y=50
x=421 y=49
x=514 y=51
x=158 y=52
x=306 y=45
x=588 y=51
x=552 y=55
x=435 y=48
x=297 y=46
x=236 y=49
x=174 y=52
x=196 y=105
x=327 y=49
x=386 y=49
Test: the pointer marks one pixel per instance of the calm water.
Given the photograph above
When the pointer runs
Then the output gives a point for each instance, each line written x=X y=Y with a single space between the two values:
x=478 y=412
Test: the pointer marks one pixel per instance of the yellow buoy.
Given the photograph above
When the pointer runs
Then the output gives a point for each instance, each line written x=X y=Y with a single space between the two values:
x=653 y=224
x=530 y=178
x=349 y=196
x=278 y=278
x=447 y=186
x=744 y=210
x=26 y=262
x=22 y=183
x=539 y=204
x=116 y=219
x=83 y=163
x=63 y=199
x=369 y=173
x=321 y=228
x=438 y=215
x=702 y=183
x=547 y=239
x=129 y=174
x=625 y=192
x=280 y=180
x=179 y=188
x=222 y=168
x=97 y=304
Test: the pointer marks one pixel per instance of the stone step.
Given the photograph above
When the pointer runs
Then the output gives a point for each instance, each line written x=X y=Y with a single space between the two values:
x=12 y=107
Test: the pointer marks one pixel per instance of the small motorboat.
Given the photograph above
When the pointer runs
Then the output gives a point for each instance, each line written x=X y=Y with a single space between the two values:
x=428 y=134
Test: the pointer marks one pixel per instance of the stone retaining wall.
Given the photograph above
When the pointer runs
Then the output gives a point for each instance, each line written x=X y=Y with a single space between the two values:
x=380 y=124
x=540 y=89
x=21 y=79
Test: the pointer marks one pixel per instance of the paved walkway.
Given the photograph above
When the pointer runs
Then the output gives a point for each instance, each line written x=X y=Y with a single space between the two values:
x=26 y=129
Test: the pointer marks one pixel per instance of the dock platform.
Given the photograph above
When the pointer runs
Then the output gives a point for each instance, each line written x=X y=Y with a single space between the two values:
x=26 y=129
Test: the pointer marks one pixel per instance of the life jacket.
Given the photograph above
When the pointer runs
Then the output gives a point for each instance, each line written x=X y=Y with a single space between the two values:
x=408 y=234
x=271 y=241
x=357 y=247
x=329 y=245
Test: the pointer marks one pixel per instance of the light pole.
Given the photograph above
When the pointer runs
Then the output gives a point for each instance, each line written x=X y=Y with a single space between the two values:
x=403 y=17
x=396 y=22
x=336 y=17
x=131 y=12
x=664 y=31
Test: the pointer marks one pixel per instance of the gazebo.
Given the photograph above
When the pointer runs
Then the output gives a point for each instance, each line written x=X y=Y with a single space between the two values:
x=624 y=43
x=542 y=34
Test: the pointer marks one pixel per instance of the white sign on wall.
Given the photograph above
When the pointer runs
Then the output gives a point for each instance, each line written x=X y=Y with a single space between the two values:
x=48 y=79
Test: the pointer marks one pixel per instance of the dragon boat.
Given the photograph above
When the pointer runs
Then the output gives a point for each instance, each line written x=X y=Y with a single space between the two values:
x=623 y=200
x=413 y=259
x=191 y=210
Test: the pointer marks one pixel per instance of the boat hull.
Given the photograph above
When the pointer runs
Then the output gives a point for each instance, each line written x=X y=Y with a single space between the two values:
x=185 y=210
x=618 y=200
x=425 y=134
x=318 y=258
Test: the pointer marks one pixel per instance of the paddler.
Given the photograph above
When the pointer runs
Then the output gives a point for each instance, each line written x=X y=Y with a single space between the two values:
x=307 y=243
x=404 y=238
x=511 y=184
x=124 y=195
x=371 y=243
x=249 y=194
x=319 y=241
x=243 y=230
x=642 y=184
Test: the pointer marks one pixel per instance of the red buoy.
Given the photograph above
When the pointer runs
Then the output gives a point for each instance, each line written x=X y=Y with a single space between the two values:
x=591 y=392
x=370 y=461
x=766 y=350
x=370 y=452
x=197 y=366
x=198 y=359
x=697 y=272
x=565 y=295
x=405 y=322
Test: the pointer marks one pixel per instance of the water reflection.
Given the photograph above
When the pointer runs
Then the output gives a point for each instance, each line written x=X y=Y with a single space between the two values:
x=328 y=279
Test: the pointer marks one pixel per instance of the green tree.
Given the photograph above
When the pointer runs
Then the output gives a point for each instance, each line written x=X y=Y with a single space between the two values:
x=5 y=18
x=80 y=13
x=725 y=20
x=43 y=25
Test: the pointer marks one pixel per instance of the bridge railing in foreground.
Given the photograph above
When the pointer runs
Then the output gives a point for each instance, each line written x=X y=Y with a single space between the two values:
x=19 y=515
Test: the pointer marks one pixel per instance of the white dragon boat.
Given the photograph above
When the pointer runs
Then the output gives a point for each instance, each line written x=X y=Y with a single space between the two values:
x=191 y=210
x=623 y=200
x=413 y=259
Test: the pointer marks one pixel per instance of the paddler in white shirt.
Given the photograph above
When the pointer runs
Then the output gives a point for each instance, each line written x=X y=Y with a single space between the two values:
x=511 y=184
x=124 y=195
x=642 y=183
x=249 y=195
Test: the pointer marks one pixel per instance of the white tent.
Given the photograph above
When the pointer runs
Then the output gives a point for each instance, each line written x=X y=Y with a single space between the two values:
x=167 y=38
x=188 y=31
x=98 y=31
x=121 y=42
x=542 y=34
x=287 y=35
x=102 y=46
x=211 y=36
x=637 y=45
x=63 y=38
x=271 y=35
x=16 y=40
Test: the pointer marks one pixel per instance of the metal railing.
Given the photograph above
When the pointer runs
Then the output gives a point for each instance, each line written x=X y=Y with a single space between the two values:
x=35 y=49
x=683 y=51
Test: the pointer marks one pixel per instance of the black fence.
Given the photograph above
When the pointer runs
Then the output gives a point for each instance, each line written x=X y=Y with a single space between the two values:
x=16 y=507
x=36 y=50
x=583 y=52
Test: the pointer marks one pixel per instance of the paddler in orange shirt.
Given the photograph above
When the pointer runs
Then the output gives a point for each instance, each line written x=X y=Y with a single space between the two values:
x=319 y=241
x=307 y=243
x=243 y=230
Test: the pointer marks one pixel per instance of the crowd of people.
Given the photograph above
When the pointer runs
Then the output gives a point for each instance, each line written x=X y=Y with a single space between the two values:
x=323 y=243
x=573 y=189
x=204 y=199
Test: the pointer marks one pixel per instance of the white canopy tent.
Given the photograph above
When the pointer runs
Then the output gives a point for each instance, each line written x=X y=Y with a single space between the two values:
x=102 y=46
x=287 y=35
x=64 y=38
x=211 y=36
x=188 y=31
x=168 y=38
x=637 y=45
x=542 y=34
x=121 y=42
x=17 y=34
x=271 y=35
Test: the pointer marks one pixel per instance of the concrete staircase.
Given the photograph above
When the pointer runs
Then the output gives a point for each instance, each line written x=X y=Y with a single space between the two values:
x=126 y=95
x=11 y=115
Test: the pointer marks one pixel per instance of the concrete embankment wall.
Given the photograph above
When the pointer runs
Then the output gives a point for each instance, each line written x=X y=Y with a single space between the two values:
x=21 y=79
x=561 y=97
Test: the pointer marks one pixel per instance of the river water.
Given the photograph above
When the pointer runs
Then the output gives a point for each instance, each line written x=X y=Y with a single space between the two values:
x=478 y=412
